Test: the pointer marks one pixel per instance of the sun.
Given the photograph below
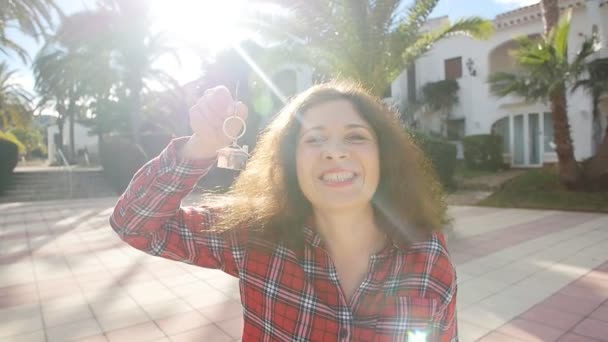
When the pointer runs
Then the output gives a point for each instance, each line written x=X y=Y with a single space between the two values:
x=208 y=24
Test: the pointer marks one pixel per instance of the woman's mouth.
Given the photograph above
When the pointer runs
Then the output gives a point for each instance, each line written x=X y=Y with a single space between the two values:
x=338 y=178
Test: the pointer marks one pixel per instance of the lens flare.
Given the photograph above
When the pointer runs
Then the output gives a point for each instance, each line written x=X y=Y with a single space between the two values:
x=416 y=336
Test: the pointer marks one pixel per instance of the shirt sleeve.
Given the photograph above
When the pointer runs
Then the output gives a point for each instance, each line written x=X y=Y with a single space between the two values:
x=443 y=278
x=149 y=215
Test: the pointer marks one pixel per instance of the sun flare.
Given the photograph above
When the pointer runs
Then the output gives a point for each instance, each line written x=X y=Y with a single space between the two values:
x=208 y=24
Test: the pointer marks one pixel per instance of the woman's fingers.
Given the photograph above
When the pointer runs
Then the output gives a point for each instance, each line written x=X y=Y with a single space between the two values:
x=242 y=110
x=219 y=101
x=212 y=110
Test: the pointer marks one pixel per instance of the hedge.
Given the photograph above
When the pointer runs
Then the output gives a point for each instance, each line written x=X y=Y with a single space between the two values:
x=12 y=138
x=483 y=152
x=442 y=155
x=120 y=158
x=9 y=155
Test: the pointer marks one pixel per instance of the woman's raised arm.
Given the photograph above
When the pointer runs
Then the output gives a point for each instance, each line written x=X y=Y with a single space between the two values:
x=149 y=215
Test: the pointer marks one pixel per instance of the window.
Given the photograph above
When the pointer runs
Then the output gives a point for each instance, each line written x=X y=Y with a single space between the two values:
x=453 y=68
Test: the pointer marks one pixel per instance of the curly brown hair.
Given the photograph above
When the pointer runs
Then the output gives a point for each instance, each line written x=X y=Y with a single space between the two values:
x=408 y=201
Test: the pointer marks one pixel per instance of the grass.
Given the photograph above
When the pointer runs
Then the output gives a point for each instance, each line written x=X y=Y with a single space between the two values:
x=540 y=189
x=465 y=173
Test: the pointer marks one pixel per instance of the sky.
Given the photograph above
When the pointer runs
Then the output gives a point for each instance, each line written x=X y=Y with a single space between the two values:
x=180 y=19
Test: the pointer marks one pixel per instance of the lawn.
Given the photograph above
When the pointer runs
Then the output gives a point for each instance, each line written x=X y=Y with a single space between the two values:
x=465 y=173
x=540 y=189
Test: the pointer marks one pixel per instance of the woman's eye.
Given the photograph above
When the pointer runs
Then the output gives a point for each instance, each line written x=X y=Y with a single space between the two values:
x=356 y=137
x=313 y=140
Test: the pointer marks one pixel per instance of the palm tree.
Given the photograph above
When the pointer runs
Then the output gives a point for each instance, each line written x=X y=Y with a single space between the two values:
x=135 y=49
x=67 y=71
x=369 y=41
x=14 y=100
x=550 y=14
x=596 y=84
x=104 y=55
x=56 y=76
x=547 y=74
x=29 y=16
x=441 y=97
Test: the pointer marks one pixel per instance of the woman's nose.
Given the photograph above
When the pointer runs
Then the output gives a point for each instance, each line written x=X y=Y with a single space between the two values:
x=334 y=151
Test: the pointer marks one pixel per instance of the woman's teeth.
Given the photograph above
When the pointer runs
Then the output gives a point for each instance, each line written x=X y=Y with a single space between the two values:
x=338 y=176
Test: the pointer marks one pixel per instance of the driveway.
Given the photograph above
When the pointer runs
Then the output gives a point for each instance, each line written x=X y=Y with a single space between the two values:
x=524 y=275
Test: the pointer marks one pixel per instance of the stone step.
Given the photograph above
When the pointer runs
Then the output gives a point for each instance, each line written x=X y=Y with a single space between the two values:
x=78 y=189
x=36 y=185
x=57 y=183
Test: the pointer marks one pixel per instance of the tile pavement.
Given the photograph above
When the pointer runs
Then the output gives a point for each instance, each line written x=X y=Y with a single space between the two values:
x=524 y=275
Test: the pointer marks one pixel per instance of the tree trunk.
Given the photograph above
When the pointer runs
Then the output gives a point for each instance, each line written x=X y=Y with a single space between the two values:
x=59 y=142
x=60 y=122
x=71 y=118
x=596 y=171
x=135 y=87
x=135 y=121
x=550 y=13
x=596 y=134
x=570 y=173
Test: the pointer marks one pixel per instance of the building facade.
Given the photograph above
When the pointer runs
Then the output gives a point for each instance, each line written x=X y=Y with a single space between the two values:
x=527 y=128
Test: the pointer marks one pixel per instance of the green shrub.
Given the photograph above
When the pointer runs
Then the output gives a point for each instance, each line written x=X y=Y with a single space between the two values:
x=154 y=143
x=31 y=138
x=39 y=152
x=12 y=138
x=442 y=155
x=9 y=157
x=483 y=152
x=120 y=159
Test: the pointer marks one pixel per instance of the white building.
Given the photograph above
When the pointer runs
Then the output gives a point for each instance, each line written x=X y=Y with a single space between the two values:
x=83 y=140
x=526 y=127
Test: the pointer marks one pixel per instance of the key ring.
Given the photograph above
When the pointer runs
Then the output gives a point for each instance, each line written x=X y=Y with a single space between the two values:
x=235 y=116
x=233 y=157
x=240 y=135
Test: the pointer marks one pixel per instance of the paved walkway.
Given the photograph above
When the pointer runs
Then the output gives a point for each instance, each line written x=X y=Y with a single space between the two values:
x=64 y=275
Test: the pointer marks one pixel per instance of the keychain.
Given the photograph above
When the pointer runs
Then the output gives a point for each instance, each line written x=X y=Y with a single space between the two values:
x=233 y=157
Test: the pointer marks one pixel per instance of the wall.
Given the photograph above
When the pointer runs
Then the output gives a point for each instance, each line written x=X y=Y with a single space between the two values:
x=82 y=139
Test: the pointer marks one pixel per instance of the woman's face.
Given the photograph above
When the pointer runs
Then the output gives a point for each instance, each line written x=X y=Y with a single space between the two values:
x=337 y=157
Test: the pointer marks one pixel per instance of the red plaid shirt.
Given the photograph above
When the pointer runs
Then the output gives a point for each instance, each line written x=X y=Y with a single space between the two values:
x=287 y=296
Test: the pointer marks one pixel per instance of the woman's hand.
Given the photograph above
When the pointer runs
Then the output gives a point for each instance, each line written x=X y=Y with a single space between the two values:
x=207 y=118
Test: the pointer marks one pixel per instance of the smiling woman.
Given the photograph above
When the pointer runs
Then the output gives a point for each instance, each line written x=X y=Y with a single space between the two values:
x=333 y=227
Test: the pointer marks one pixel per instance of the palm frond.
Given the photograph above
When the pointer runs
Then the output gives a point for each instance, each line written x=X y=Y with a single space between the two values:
x=503 y=84
x=7 y=45
x=475 y=26
x=596 y=81
x=32 y=17
x=531 y=53
x=589 y=46
x=416 y=15
x=383 y=14
x=558 y=37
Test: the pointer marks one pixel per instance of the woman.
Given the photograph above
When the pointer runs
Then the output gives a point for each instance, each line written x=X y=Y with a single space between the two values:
x=332 y=228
